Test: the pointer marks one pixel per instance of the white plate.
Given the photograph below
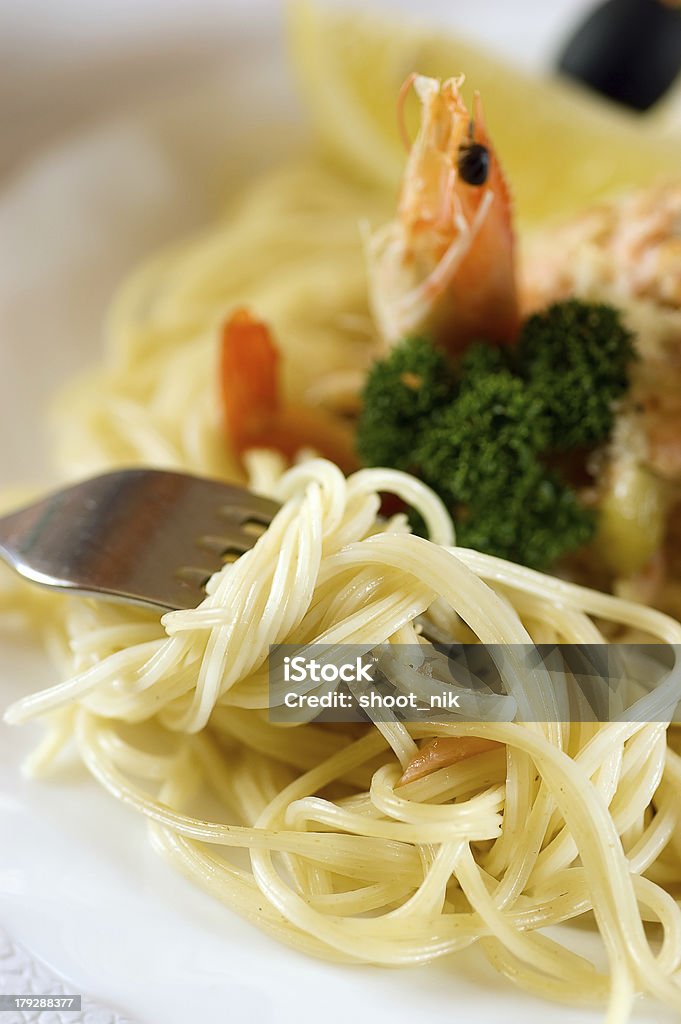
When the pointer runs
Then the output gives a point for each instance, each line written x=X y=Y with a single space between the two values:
x=80 y=888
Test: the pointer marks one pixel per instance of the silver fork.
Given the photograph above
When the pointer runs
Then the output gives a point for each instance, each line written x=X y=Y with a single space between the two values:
x=143 y=536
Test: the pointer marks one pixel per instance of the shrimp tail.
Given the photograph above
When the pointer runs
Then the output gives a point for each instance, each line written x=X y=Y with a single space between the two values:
x=255 y=412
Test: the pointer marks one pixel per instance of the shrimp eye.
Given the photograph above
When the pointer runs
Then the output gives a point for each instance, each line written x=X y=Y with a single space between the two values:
x=473 y=163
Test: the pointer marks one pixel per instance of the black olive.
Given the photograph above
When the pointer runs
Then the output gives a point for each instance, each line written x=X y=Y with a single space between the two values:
x=473 y=163
x=629 y=50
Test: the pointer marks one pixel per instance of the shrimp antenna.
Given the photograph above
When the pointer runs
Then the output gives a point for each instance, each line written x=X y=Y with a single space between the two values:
x=401 y=100
x=478 y=114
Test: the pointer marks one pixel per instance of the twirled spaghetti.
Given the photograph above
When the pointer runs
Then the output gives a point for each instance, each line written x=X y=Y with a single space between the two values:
x=568 y=819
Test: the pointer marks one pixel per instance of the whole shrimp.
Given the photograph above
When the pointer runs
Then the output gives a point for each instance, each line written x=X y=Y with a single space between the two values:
x=445 y=266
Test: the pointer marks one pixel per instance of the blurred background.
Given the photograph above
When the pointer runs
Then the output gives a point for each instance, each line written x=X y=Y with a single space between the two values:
x=125 y=124
x=66 y=63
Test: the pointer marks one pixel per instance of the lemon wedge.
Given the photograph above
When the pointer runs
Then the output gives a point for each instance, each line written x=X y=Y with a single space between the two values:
x=561 y=146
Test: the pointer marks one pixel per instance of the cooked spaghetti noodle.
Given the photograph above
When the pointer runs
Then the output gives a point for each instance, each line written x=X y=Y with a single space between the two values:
x=567 y=819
